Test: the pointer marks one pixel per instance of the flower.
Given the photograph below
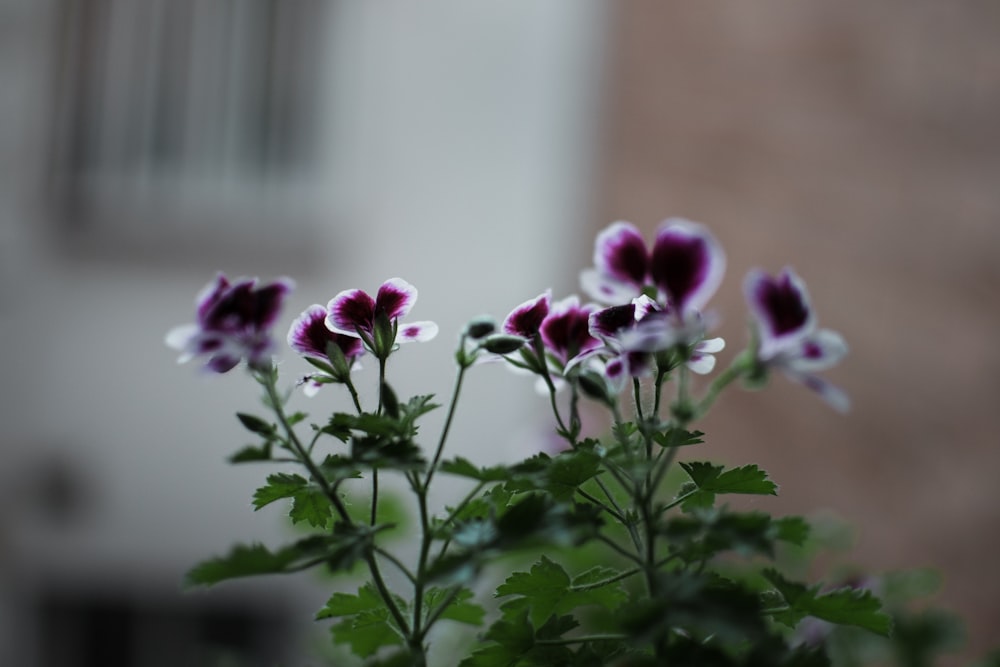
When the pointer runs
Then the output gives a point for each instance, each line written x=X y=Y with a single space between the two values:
x=526 y=319
x=685 y=266
x=565 y=330
x=634 y=332
x=233 y=322
x=787 y=335
x=310 y=337
x=354 y=313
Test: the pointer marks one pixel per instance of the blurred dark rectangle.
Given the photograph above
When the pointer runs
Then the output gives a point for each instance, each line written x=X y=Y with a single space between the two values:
x=180 y=116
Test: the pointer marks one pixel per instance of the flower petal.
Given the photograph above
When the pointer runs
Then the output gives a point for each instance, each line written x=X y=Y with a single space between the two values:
x=526 y=319
x=604 y=288
x=416 y=332
x=710 y=346
x=780 y=307
x=395 y=297
x=620 y=253
x=609 y=322
x=349 y=311
x=834 y=396
x=819 y=351
x=702 y=364
x=687 y=264
x=309 y=336
x=565 y=330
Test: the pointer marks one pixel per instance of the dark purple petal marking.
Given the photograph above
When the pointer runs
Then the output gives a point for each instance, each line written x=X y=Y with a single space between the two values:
x=395 y=298
x=309 y=336
x=783 y=304
x=417 y=332
x=608 y=322
x=349 y=311
x=620 y=252
x=566 y=331
x=209 y=295
x=526 y=319
x=687 y=264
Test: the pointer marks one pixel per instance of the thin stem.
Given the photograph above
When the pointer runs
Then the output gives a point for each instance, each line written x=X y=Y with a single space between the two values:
x=614 y=546
x=539 y=349
x=421 y=490
x=637 y=398
x=597 y=501
x=354 y=394
x=446 y=428
x=398 y=563
x=568 y=641
x=268 y=380
x=739 y=367
x=440 y=609
x=606 y=582
x=383 y=590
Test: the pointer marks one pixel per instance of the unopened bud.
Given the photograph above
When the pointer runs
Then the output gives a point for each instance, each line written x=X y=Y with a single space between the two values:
x=503 y=343
x=480 y=327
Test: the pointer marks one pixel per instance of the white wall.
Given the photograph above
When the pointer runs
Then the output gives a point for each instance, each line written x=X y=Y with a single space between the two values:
x=459 y=155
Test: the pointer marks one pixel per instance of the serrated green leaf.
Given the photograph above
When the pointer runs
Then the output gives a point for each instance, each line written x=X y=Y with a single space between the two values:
x=255 y=424
x=346 y=604
x=255 y=559
x=462 y=467
x=547 y=590
x=792 y=529
x=279 y=485
x=367 y=632
x=677 y=437
x=311 y=505
x=747 y=479
x=843 y=606
x=460 y=609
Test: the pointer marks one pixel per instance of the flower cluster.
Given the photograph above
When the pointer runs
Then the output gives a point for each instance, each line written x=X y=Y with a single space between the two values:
x=654 y=317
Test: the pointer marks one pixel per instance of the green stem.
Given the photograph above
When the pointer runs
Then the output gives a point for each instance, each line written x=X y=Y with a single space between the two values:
x=421 y=491
x=739 y=367
x=605 y=582
x=398 y=563
x=568 y=641
x=597 y=501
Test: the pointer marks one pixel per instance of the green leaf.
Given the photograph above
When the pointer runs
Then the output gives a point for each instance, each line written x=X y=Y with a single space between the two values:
x=459 y=609
x=279 y=485
x=843 y=606
x=462 y=467
x=311 y=505
x=677 y=437
x=792 y=529
x=367 y=624
x=711 y=480
x=547 y=590
x=256 y=425
x=367 y=632
x=251 y=453
x=242 y=561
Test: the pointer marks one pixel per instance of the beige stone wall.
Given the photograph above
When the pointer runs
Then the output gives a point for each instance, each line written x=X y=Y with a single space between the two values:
x=860 y=143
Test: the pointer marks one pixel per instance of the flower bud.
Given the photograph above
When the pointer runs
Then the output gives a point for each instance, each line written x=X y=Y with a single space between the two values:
x=593 y=386
x=503 y=343
x=480 y=327
x=384 y=337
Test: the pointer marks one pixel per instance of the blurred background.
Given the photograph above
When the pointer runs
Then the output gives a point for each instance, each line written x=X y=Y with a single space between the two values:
x=473 y=149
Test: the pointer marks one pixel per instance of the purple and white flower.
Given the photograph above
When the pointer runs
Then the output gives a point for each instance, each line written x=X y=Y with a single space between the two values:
x=310 y=337
x=565 y=330
x=233 y=323
x=787 y=335
x=526 y=319
x=633 y=333
x=685 y=265
x=353 y=312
